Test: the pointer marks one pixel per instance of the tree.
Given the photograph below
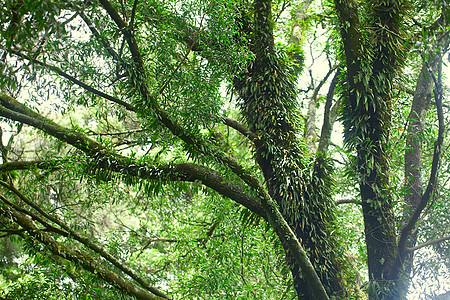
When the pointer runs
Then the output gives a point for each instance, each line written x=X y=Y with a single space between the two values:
x=153 y=73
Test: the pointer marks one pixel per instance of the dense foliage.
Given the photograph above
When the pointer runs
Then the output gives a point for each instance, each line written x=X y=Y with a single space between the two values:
x=169 y=149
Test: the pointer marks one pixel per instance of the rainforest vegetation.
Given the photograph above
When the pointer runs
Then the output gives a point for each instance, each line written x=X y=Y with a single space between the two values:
x=229 y=149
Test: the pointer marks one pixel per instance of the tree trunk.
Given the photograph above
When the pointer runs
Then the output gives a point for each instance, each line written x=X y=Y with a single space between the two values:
x=371 y=68
x=267 y=102
x=413 y=170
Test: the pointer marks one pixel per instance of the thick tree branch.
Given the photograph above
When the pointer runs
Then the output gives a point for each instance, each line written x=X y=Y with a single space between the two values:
x=328 y=117
x=14 y=110
x=240 y=128
x=27 y=165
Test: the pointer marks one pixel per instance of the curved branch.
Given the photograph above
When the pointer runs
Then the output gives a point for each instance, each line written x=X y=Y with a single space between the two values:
x=14 y=110
x=126 y=30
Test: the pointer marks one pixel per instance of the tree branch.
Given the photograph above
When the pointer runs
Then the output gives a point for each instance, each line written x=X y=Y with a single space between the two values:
x=99 y=37
x=328 y=118
x=434 y=166
x=14 y=110
x=429 y=243
x=27 y=165
x=240 y=128
x=34 y=216
x=84 y=240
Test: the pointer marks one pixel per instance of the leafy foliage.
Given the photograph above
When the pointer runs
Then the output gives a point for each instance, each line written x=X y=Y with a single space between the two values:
x=144 y=186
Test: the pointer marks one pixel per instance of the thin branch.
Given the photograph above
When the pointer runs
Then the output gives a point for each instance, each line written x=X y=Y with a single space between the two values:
x=102 y=39
x=429 y=243
x=10 y=232
x=76 y=81
x=323 y=81
x=133 y=14
x=117 y=133
x=180 y=63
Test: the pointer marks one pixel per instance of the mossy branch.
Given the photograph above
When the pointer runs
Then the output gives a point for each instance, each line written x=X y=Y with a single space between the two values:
x=12 y=109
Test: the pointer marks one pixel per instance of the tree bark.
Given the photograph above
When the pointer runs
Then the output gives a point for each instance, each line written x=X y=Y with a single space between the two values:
x=413 y=166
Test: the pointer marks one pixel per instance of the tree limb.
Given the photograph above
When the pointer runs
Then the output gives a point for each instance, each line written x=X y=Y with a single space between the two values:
x=240 y=128
x=27 y=165
x=78 y=237
x=32 y=215
x=434 y=167
x=328 y=120
x=429 y=243
x=14 y=110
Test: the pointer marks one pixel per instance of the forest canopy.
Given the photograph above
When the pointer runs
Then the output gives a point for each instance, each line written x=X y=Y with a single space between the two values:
x=228 y=149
